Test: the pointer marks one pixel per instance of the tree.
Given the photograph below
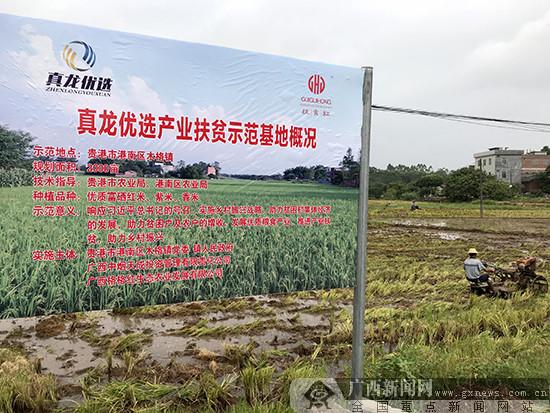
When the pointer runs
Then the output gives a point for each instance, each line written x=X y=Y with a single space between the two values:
x=319 y=172
x=192 y=171
x=298 y=172
x=347 y=161
x=15 y=148
x=464 y=185
x=376 y=190
x=396 y=190
x=545 y=181
x=350 y=169
x=337 y=178
x=546 y=149
x=217 y=167
x=429 y=184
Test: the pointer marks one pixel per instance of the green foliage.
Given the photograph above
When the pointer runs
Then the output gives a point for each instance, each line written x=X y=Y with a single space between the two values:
x=428 y=185
x=409 y=196
x=192 y=171
x=298 y=172
x=257 y=383
x=30 y=288
x=22 y=387
x=15 y=160
x=545 y=181
x=376 y=190
x=15 y=148
x=350 y=169
x=15 y=177
x=395 y=190
x=464 y=185
x=406 y=182
x=305 y=173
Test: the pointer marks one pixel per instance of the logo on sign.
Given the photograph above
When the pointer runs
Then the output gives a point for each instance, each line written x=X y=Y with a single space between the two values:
x=318 y=395
x=316 y=84
x=81 y=57
x=78 y=55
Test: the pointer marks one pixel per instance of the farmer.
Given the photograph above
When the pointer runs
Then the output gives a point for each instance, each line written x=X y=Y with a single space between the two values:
x=475 y=270
x=414 y=207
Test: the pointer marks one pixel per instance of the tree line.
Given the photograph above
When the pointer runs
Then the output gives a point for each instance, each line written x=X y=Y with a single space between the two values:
x=410 y=182
x=394 y=182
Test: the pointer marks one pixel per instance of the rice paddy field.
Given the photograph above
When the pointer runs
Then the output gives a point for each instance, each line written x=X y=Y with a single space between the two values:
x=241 y=354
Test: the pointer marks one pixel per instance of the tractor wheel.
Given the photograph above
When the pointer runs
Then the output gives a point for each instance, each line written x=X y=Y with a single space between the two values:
x=539 y=285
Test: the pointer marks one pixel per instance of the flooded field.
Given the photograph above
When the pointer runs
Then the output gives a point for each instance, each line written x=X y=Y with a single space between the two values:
x=420 y=321
x=191 y=334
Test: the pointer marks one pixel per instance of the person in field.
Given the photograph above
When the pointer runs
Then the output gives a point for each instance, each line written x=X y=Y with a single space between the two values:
x=474 y=268
x=414 y=207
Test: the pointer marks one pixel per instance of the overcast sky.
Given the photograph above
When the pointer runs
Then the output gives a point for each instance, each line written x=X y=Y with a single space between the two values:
x=485 y=58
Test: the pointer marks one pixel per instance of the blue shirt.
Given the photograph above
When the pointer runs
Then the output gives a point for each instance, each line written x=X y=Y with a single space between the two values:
x=473 y=268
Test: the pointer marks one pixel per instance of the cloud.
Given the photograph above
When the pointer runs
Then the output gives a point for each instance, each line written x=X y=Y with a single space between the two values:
x=131 y=93
x=481 y=58
x=522 y=61
x=140 y=96
x=38 y=62
x=209 y=112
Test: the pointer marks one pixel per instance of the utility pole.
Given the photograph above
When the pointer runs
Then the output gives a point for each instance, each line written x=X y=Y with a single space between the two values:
x=480 y=190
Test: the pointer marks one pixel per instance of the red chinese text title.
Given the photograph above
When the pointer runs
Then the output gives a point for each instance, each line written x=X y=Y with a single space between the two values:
x=146 y=125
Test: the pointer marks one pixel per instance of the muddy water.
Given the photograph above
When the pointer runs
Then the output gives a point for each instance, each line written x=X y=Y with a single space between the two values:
x=69 y=346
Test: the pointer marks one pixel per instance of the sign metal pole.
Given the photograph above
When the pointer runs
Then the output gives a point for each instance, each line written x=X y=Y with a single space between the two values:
x=356 y=385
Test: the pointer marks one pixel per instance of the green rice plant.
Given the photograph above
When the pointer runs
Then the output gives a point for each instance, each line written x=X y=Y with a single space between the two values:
x=35 y=288
x=238 y=355
x=22 y=387
x=131 y=360
x=203 y=329
x=217 y=395
x=122 y=396
x=129 y=343
x=257 y=383
x=300 y=369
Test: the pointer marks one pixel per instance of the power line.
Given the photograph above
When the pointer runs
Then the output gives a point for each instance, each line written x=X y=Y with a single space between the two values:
x=521 y=128
x=478 y=120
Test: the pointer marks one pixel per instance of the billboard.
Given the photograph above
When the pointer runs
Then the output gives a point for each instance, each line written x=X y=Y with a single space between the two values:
x=138 y=170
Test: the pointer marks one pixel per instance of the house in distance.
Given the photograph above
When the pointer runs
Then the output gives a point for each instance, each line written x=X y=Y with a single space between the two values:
x=515 y=166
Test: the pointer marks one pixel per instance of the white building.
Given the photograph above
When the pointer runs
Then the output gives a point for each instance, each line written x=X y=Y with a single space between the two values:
x=503 y=163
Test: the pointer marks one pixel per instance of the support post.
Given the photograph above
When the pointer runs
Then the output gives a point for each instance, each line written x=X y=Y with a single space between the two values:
x=480 y=190
x=356 y=385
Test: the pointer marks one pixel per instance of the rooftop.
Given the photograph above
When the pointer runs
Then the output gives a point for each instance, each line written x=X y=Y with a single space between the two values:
x=499 y=151
x=536 y=154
